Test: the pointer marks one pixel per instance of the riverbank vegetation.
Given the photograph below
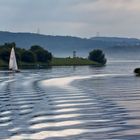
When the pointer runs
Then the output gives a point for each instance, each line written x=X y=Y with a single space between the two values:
x=32 y=56
x=38 y=57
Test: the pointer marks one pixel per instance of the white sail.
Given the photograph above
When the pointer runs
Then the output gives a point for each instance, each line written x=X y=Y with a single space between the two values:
x=12 y=61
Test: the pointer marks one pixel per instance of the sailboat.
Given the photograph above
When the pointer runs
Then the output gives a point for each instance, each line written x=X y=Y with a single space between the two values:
x=13 y=62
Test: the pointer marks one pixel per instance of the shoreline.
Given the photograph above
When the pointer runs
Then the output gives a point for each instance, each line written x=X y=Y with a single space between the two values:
x=48 y=66
x=54 y=62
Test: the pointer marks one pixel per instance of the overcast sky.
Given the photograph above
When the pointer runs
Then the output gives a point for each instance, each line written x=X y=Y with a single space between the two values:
x=82 y=18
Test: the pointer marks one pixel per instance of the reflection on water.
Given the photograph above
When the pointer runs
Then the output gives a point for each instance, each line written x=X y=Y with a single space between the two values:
x=71 y=103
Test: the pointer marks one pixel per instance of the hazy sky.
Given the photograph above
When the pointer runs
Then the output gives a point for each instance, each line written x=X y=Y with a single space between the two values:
x=82 y=18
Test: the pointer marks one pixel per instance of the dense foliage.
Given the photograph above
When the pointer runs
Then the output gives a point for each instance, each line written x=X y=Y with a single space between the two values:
x=41 y=54
x=33 y=55
x=97 y=56
x=38 y=56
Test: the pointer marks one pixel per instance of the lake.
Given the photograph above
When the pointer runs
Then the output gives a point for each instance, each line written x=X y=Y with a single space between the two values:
x=71 y=103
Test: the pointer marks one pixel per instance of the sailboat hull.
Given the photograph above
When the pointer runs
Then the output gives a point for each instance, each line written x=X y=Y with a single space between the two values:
x=14 y=71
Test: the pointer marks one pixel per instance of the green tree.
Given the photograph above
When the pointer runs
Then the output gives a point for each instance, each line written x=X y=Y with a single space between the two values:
x=5 y=51
x=97 y=56
x=42 y=55
x=28 y=56
x=4 y=55
x=35 y=48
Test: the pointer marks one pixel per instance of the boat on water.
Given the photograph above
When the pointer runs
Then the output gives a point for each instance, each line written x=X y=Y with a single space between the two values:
x=13 y=62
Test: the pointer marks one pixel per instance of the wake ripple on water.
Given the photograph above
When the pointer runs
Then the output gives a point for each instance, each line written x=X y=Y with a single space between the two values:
x=32 y=110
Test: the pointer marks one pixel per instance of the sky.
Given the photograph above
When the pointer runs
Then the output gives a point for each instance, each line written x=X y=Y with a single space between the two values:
x=82 y=18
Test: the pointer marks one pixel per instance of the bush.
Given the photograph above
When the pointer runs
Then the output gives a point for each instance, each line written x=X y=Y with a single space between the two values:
x=97 y=56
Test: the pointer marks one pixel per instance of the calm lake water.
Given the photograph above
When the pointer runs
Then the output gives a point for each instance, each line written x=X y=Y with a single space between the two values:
x=71 y=103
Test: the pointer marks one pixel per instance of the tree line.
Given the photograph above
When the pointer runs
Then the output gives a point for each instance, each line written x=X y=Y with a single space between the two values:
x=37 y=54
x=34 y=54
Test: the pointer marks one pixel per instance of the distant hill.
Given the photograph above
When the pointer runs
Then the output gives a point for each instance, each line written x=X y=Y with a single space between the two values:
x=118 y=40
x=65 y=45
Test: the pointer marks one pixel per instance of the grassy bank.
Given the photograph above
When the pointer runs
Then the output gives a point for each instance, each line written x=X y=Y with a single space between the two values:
x=71 y=61
x=54 y=62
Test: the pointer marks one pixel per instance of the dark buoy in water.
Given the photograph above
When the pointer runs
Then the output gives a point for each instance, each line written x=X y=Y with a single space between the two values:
x=137 y=71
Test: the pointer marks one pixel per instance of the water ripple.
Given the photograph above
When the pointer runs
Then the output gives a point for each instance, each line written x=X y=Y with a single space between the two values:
x=85 y=109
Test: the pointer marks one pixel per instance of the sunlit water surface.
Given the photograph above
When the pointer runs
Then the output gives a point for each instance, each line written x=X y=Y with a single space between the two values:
x=71 y=103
